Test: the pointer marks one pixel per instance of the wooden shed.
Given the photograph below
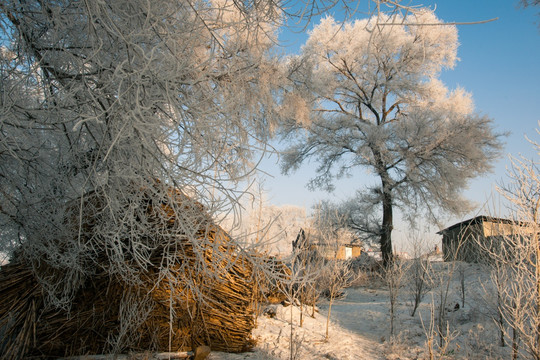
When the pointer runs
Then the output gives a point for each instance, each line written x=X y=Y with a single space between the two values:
x=466 y=240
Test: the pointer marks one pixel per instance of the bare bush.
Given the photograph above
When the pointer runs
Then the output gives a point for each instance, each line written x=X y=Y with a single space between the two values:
x=394 y=277
x=437 y=349
x=418 y=279
x=514 y=259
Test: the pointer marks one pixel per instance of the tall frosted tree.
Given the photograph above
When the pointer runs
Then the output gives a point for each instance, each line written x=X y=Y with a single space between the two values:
x=124 y=128
x=108 y=106
x=366 y=95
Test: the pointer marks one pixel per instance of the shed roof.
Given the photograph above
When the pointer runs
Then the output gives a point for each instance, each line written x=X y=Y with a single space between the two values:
x=478 y=220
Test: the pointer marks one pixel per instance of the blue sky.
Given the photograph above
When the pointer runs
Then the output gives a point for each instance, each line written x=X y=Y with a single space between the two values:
x=499 y=64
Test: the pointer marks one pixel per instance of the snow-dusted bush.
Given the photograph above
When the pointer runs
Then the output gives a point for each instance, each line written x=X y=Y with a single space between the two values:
x=514 y=258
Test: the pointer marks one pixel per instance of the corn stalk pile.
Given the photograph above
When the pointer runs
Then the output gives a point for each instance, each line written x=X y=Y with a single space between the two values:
x=204 y=296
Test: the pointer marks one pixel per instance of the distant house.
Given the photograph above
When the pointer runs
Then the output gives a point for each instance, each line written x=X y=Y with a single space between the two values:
x=311 y=245
x=343 y=252
x=466 y=240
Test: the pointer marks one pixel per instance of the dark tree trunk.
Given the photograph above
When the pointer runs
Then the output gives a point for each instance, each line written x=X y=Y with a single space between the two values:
x=387 y=220
x=387 y=227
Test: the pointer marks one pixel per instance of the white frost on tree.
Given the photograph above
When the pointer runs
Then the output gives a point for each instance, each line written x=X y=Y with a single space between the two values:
x=107 y=107
x=270 y=228
x=376 y=103
x=514 y=258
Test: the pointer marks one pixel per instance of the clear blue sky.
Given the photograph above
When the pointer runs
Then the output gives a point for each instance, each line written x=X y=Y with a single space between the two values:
x=499 y=64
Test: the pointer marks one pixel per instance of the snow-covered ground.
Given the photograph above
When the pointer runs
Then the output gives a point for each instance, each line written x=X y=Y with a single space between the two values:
x=360 y=323
x=273 y=338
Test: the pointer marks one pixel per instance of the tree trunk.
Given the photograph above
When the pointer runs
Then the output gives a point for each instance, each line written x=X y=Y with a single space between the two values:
x=328 y=316
x=515 y=343
x=301 y=313
x=387 y=221
x=387 y=227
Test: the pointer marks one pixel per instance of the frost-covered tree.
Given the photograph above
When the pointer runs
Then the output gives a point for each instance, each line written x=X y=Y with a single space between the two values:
x=357 y=215
x=271 y=228
x=367 y=95
x=112 y=109
x=514 y=258
x=124 y=128
x=529 y=2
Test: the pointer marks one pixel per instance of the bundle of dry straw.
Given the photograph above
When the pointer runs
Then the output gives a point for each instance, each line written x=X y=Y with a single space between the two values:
x=209 y=300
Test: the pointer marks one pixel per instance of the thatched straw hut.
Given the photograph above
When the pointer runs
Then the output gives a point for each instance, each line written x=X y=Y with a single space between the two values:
x=205 y=298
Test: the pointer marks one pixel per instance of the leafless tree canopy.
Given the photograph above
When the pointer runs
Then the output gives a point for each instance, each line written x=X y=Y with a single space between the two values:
x=112 y=108
x=368 y=96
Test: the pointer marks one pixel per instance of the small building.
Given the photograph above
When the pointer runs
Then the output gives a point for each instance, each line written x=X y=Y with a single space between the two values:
x=330 y=250
x=340 y=252
x=467 y=240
